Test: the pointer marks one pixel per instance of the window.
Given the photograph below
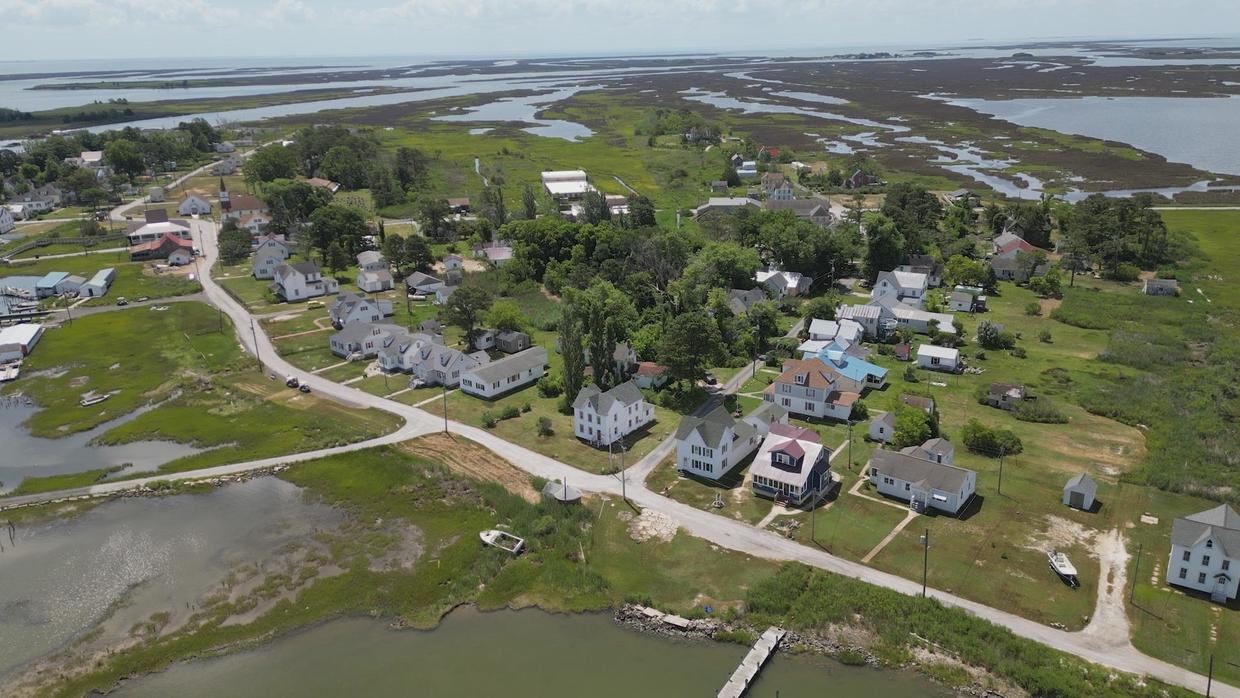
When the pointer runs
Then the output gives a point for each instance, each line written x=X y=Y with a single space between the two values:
x=1209 y=544
x=1205 y=560
x=1183 y=572
x=1188 y=556
x=1226 y=565
x=906 y=487
x=1201 y=577
x=934 y=361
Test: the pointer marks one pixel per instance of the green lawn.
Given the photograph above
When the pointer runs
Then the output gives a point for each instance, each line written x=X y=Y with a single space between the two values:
x=133 y=279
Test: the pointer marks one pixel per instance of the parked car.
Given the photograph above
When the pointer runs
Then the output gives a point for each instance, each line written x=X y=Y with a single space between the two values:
x=314 y=304
x=122 y=301
x=710 y=379
x=292 y=381
x=304 y=388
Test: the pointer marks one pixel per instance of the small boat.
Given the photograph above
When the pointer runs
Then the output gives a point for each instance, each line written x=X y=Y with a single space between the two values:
x=94 y=400
x=1065 y=569
x=503 y=540
x=9 y=372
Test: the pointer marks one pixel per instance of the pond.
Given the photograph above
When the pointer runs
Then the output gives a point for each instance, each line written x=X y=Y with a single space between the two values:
x=26 y=455
x=511 y=653
x=115 y=565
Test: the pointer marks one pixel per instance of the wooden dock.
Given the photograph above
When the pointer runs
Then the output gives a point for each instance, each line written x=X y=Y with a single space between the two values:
x=752 y=663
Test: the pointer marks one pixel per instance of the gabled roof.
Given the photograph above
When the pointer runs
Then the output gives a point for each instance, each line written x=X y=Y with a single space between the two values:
x=813 y=373
x=1221 y=523
x=710 y=427
x=922 y=403
x=369 y=257
x=245 y=202
x=1082 y=482
x=534 y=357
x=924 y=473
x=418 y=278
x=625 y=394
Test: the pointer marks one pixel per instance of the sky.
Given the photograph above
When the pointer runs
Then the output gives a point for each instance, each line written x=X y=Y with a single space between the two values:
x=172 y=29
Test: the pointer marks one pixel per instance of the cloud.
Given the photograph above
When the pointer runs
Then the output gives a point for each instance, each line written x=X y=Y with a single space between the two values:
x=130 y=13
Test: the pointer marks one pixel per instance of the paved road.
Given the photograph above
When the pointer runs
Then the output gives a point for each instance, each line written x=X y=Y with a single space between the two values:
x=1114 y=652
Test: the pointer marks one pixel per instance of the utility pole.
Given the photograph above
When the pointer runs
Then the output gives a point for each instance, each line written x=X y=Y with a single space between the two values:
x=999 y=489
x=1210 y=676
x=1136 y=572
x=624 y=493
x=445 y=407
x=925 y=560
x=850 y=462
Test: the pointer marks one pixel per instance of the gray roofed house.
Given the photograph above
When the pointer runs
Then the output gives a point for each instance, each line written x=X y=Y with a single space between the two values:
x=511 y=341
x=767 y=413
x=1079 y=492
x=882 y=427
x=741 y=301
x=418 y=282
x=626 y=394
x=922 y=403
x=924 y=483
x=1205 y=553
x=430 y=325
x=602 y=418
x=503 y=375
x=813 y=210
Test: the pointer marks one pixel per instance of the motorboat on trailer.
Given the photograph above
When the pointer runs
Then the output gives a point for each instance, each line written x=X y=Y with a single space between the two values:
x=1063 y=567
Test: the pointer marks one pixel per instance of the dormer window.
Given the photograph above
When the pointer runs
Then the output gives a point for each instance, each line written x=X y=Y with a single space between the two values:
x=1209 y=544
x=800 y=379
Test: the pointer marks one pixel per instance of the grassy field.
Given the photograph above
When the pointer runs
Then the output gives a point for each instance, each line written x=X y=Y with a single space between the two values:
x=133 y=279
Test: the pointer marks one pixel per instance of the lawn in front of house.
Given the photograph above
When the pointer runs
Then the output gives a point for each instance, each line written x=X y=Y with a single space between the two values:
x=739 y=501
x=133 y=279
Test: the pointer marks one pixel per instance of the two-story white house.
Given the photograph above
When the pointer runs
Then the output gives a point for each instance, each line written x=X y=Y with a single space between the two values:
x=275 y=244
x=194 y=203
x=1205 y=553
x=602 y=418
x=921 y=482
x=811 y=388
x=348 y=308
x=783 y=283
x=503 y=375
x=792 y=466
x=908 y=287
x=712 y=445
x=263 y=264
x=776 y=187
x=300 y=281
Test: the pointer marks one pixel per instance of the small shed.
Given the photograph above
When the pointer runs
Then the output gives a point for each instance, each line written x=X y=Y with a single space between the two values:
x=883 y=427
x=155 y=195
x=1079 y=492
x=938 y=358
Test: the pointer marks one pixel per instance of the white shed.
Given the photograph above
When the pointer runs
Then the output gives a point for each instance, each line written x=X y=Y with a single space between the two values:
x=1079 y=492
x=938 y=358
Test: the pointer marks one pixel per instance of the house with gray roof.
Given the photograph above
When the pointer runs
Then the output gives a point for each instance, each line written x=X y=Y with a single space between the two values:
x=712 y=445
x=264 y=262
x=511 y=341
x=363 y=340
x=1079 y=492
x=1205 y=553
x=741 y=301
x=430 y=362
x=301 y=281
x=504 y=375
x=922 y=482
x=348 y=308
x=603 y=418
x=792 y=466
x=815 y=211
x=882 y=427
x=938 y=449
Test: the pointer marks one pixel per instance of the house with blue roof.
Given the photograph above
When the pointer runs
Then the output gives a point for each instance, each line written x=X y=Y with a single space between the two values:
x=836 y=355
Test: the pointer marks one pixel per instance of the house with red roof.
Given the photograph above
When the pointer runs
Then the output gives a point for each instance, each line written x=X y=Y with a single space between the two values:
x=177 y=251
x=812 y=388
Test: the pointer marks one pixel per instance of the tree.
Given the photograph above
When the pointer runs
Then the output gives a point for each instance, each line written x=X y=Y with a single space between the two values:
x=641 y=212
x=594 y=208
x=607 y=318
x=912 y=428
x=915 y=213
x=765 y=320
x=722 y=265
x=125 y=157
x=989 y=336
x=960 y=270
x=234 y=244
x=292 y=202
x=344 y=165
x=270 y=163
x=412 y=167
x=505 y=315
x=393 y=249
x=339 y=224
x=820 y=308
x=988 y=441
x=384 y=189
x=572 y=351
x=730 y=176
x=464 y=307
x=433 y=215
x=418 y=253
x=689 y=342
x=491 y=205
x=529 y=204
x=884 y=245
x=337 y=260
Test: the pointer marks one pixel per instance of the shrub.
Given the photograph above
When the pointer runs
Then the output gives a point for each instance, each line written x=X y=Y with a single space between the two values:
x=739 y=637
x=509 y=412
x=1125 y=272
x=859 y=412
x=1044 y=336
x=1018 y=352
x=990 y=441
x=989 y=336
x=1041 y=410
x=488 y=420
x=979 y=355
x=544 y=427
x=550 y=386
x=850 y=656
x=1033 y=308
x=910 y=375
x=526 y=407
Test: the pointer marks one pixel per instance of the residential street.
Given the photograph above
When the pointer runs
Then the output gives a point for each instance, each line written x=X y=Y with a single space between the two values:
x=1104 y=649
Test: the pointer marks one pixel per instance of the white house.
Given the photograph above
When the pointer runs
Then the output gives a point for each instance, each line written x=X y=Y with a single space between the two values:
x=938 y=358
x=882 y=427
x=776 y=187
x=938 y=449
x=783 y=283
x=602 y=418
x=17 y=341
x=1150 y=287
x=453 y=261
x=509 y=373
x=566 y=185
x=263 y=264
x=962 y=302
x=150 y=232
x=298 y=282
x=922 y=482
x=908 y=287
x=364 y=339
x=348 y=308
x=886 y=313
x=711 y=446
x=98 y=284
x=724 y=205
x=370 y=260
x=7 y=224
x=374 y=281
x=791 y=466
x=924 y=264
x=421 y=283
x=274 y=244
x=748 y=169
x=255 y=223
x=832 y=330
x=1205 y=553
x=194 y=203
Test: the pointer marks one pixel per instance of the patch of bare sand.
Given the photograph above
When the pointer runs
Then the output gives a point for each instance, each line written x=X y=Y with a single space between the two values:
x=1060 y=533
x=1049 y=304
x=652 y=525
x=468 y=458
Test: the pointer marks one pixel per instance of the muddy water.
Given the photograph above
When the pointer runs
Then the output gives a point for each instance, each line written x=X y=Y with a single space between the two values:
x=122 y=561
x=25 y=455
x=514 y=654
